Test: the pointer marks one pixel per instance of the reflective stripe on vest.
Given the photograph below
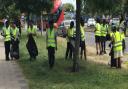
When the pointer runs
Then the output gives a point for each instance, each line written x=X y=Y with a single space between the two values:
x=51 y=38
x=117 y=42
x=7 y=33
x=98 y=30
x=82 y=33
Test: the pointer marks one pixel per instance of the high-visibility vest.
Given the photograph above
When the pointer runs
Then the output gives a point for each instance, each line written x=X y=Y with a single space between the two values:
x=82 y=33
x=117 y=41
x=98 y=29
x=7 y=33
x=51 y=38
x=70 y=33
x=31 y=30
x=103 y=30
x=15 y=32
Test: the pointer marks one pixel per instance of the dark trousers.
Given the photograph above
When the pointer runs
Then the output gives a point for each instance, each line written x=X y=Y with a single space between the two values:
x=103 y=44
x=7 y=49
x=51 y=56
x=83 y=49
x=69 y=51
x=113 y=61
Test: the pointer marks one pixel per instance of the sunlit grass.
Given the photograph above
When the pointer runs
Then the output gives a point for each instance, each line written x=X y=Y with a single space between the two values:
x=91 y=75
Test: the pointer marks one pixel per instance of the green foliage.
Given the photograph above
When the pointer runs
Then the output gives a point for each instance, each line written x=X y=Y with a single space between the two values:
x=126 y=6
x=7 y=8
x=33 y=6
x=90 y=76
x=101 y=6
x=68 y=7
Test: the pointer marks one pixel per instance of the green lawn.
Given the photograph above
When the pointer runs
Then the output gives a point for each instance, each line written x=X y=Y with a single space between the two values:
x=90 y=76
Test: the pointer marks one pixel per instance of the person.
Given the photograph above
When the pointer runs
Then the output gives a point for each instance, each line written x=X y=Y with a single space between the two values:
x=82 y=40
x=122 y=30
x=31 y=44
x=98 y=36
x=51 y=43
x=103 y=36
x=18 y=24
x=6 y=33
x=117 y=47
x=111 y=54
x=14 y=41
x=70 y=35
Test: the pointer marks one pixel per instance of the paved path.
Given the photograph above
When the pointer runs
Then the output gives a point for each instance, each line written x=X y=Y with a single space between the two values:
x=11 y=76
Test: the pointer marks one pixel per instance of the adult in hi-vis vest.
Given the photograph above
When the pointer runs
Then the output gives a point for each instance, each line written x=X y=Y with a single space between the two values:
x=51 y=43
x=82 y=40
x=14 y=41
x=98 y=36
x=31 y=44
x=70 y=36
x=117 y=47
x=103 y=36
x=6 y=33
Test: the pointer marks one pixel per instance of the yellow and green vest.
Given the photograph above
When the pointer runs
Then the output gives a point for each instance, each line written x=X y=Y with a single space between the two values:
x=117 y=41
x=7 y=33
x=82 y=33
x=103 y=30
x=98 y=29
x=15 y=32
x=70 y=33
x=51 y=38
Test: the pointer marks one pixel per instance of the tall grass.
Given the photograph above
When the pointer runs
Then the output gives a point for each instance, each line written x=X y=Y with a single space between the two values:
x=90 y=76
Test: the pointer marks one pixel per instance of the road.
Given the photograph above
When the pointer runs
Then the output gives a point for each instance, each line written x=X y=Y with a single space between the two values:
x=90 y=40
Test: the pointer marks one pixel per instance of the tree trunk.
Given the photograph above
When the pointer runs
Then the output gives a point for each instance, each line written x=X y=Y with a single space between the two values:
x=77 y=40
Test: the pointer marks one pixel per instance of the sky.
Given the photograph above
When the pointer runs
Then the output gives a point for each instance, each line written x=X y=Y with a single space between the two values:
x=70 y=1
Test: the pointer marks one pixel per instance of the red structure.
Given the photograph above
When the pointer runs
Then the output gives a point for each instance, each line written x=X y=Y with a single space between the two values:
x=58 y=12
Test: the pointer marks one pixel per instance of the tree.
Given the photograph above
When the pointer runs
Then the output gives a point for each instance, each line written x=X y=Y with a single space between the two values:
x=7 y=8
x=33 y=6
x=77 y=41
x=101 y=6
x=68 y=7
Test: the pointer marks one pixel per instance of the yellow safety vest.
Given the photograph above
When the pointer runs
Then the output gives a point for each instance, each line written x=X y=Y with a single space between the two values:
x=98 y=29
x=70 y=33
x=82 y=33
x=51 y=38
x=7 y=33
x=103 y=30
x=31 y=30
x=117 y=41
x=15 y=32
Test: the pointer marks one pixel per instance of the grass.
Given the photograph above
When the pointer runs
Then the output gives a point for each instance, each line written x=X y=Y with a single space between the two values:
x=90 y=76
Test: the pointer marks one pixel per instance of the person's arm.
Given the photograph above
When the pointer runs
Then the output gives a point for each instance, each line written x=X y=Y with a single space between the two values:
x=3 y=33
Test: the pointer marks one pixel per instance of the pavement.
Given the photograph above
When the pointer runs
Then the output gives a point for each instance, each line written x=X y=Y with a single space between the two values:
x=11 y=76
